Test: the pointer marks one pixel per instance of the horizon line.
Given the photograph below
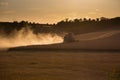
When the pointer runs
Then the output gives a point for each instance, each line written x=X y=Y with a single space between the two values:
x=59 y=20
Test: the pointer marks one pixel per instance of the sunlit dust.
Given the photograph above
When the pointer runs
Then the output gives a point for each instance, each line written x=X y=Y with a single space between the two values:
x=26 y=37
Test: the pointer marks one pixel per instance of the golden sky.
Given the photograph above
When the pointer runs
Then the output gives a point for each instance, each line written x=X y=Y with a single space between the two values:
x=52 y=11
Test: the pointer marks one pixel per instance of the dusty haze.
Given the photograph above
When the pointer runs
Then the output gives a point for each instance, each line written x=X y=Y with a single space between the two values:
x=25 y=37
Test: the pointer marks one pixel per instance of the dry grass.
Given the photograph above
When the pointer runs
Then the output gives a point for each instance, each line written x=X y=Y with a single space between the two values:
x=58 y=65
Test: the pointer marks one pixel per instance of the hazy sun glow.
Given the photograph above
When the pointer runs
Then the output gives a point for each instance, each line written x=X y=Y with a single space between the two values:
x=52 y=11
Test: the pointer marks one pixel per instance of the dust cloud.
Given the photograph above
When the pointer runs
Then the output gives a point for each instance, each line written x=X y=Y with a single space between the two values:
x=25 y=37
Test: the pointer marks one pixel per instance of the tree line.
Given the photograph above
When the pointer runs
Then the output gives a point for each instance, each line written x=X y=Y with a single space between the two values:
x=75 y=26
x=87 y=25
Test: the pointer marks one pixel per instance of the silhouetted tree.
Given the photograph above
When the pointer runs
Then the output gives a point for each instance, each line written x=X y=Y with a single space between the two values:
x=87 y=25
x=75 y=26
